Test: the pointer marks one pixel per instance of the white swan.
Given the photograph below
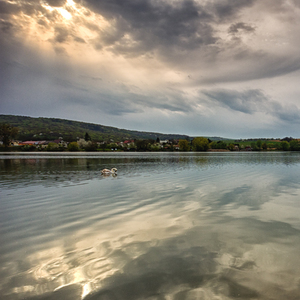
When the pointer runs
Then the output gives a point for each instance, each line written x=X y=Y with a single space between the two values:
x=107 y=171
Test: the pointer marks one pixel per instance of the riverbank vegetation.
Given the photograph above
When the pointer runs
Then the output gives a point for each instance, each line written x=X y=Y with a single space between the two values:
x=10 y=141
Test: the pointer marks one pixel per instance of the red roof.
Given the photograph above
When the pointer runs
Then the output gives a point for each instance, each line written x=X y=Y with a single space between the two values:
x=28 y=143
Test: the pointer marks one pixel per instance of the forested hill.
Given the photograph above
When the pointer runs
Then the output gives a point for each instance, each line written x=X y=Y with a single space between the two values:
x=52 y=128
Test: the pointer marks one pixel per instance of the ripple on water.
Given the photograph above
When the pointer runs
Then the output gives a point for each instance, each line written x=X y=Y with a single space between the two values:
x=176 y=226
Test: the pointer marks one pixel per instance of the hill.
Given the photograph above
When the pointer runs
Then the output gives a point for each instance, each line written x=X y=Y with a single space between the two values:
x=52 y=128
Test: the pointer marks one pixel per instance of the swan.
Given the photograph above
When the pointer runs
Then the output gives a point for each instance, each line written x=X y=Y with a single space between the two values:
x=107 y=171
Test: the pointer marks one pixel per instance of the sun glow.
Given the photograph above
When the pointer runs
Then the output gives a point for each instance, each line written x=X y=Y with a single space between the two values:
x=62 y=10
x=65 y=13
x=68 y=30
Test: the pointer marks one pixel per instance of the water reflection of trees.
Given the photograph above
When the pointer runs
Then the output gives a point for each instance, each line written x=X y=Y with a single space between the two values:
x=49 y=171
x=58 y=169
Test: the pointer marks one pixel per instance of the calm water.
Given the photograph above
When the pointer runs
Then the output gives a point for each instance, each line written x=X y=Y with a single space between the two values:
x=210 y=226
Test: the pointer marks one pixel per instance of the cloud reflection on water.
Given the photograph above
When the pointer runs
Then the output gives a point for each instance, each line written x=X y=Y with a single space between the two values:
x=203 y=228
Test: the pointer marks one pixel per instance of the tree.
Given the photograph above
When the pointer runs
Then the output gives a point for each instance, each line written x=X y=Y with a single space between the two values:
x=155 y=147
x=73 y=146
x=112 y=146
x=253 y=146
x=200 y=144
x=52 y=147
x=285 y=145
x=7 y=133
x=278 y=146
x=231 y=147
x=142 y=145
x=87 y=137
x=82 y=143
x=218 y=145
x=258 y=144
x=287 y=139
x=184 y=145
x=92 y=146
x=294 y=145
x=264 y=146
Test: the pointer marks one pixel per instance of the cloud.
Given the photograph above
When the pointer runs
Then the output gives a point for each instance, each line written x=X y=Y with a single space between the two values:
x=247 y=102
x=140 y=27
x=153 y=57
x=226 y=9
x=187 y=35
x=60 y=51
x=6 y=26
x=9 y=8
x=240 y=26
x=61 y=34
x=122 y=101
x=56 y=3
x=79 y=40
x=251 y=102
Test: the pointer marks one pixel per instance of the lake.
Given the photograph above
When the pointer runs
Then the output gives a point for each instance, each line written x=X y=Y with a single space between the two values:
x=168 y=226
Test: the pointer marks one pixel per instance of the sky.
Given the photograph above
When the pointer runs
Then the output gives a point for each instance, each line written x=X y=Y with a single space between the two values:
x=227 y=68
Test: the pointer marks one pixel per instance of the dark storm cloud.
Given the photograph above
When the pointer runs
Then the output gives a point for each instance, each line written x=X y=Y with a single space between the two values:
x=185 y=35
x=154 y=25
x=251 y=102
x=177 y=33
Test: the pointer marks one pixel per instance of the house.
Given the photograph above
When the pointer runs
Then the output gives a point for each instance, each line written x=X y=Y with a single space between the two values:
x=42 y=144
x=164 y=141
x=128 y=142
x=28 y=143
x=61 y=143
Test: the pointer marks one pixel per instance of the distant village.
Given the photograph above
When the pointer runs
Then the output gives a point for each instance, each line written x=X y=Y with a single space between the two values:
x=9 y=142
x=87 y=145
x=195 y=144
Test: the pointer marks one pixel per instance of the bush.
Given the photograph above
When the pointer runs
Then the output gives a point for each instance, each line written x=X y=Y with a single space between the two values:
x=28 y=148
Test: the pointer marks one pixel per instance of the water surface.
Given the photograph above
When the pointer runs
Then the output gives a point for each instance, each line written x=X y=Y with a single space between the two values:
x=169 y=226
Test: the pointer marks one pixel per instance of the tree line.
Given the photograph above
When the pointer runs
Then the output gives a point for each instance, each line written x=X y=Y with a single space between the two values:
x=8 y=133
